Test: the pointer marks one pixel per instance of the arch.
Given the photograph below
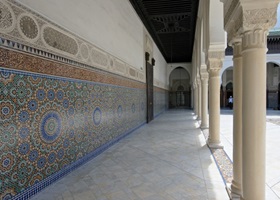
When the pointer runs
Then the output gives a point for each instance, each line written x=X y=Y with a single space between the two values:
x=229 y=85
x=178 y=74
x=273 y=62
x=179 y=92
x=180 y=66
x=225 y=68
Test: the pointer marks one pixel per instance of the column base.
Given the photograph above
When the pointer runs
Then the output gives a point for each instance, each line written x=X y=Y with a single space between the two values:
x=231 y=194
x=235 y=191
x=204 y=126
x=214 y=145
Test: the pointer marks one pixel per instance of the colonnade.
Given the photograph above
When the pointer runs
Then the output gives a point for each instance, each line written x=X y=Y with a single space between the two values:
x=247 y=24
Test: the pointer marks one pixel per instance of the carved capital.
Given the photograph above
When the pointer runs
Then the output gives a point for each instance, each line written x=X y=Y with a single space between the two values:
x=215 y=60
x=243 y=16
x=198 y=82
x=204 y=75
x=264 y=18
x=214 y=72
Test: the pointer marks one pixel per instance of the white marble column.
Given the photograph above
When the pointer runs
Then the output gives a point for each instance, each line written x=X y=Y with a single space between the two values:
x=214 y=67
x=236 y=186
x=254 y=113
x=204 y=103
x=251 y=20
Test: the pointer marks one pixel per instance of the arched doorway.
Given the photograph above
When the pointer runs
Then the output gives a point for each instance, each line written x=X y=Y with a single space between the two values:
x=179 y=93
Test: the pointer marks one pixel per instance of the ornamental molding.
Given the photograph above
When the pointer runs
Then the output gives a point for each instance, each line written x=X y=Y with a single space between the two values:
x=25 y=30
x=237 y=49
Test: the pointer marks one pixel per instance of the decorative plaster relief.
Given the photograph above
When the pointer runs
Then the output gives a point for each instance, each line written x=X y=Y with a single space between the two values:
x=28 y=27
x=120 y=66
x=132 y=72
x=99 y=57
x=25 y=30
x=141 y=76
x=84 y=51
x=61 y=41
x=259 y=18
x=7 y=18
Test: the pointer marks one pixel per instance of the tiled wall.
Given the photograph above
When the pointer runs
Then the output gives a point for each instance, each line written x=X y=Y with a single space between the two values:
x=54 y=117
x=160 y=100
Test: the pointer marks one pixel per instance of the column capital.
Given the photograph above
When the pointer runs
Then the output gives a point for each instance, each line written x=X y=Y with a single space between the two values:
x=204 y=75
x=198 y=81
x=215 y=61
x=245 y=15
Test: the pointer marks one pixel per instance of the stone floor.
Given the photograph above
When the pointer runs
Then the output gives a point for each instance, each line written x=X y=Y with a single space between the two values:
x=166 y=159
x=272 y=148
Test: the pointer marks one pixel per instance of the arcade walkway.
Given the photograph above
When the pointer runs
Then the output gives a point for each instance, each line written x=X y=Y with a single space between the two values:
x=166 y=159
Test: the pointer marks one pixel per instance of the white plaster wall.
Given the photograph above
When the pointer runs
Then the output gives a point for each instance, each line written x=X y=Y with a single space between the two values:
x=112 y=25
x=160 y=65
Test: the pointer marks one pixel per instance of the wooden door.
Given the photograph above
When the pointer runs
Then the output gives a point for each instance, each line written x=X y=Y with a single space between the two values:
x=150 y=88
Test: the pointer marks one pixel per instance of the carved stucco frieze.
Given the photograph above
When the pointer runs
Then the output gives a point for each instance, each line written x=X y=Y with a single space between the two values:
x=7 y=18
x=24 y=29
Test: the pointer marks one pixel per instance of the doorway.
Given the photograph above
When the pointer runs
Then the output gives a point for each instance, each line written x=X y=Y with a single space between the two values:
x=150 y=87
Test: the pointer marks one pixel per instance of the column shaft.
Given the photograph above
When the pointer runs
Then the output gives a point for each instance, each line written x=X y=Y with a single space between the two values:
x=254 y=114
x=204 y=106
x=214 y=109
x=199 y=100
x=196 y=100
x=236 y=186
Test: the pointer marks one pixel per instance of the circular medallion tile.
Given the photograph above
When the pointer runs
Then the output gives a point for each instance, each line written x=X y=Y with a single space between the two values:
x=97 y=116
x=50 y=126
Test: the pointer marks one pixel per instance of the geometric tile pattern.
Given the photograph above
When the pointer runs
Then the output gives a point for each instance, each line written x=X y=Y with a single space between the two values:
x=160 y=100
x=48 y=123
